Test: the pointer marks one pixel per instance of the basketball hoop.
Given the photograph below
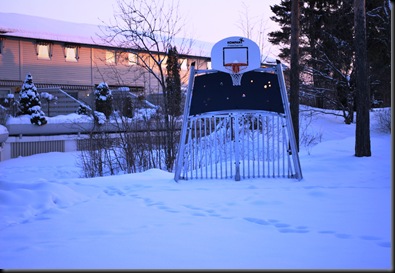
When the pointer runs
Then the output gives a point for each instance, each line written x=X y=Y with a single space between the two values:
x=235 y=69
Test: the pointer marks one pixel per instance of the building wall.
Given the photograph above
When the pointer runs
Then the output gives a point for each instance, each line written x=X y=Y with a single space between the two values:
x=56 y=70
x=118 y=72
x=79 y=78
x=10 y=60
x=19 y=57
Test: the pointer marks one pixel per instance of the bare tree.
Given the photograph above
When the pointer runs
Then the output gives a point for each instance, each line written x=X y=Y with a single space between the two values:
x=149 y=27
x=294 y=79
x=246 y=24
x=362 y=131
x=253 y=28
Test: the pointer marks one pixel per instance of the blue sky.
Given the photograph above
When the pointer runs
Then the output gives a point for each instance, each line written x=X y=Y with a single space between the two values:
x=207 y=20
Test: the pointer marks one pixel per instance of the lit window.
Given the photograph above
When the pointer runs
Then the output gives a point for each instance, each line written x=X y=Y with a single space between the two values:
x=44 y=51
x=110 y=57
x=164 y=62
x=132 y=58
x=209 y=65
x=71 y=53
x=184 y=64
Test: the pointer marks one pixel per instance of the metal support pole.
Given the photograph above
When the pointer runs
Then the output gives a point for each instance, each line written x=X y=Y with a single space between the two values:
x=187 y=106
x=288 y=117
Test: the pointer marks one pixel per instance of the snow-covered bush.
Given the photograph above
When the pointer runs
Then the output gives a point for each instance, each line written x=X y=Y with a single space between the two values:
x=100 y=118
x=47 y=96
x=308 y=137
x=104 y=99
x=3 y=115
x=383 y=117
x=82 y=110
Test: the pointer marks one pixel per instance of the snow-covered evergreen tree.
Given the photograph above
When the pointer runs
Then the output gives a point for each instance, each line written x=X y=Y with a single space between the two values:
x=103 y=99
x=29 y=102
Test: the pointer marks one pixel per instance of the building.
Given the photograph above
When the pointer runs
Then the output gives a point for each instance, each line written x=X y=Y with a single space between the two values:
x=69 y=60
x=72 y=57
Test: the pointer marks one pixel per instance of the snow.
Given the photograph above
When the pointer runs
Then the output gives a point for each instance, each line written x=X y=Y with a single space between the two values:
x=3 y=129
x=35 y=27
x=69 y=119
x=337 y=217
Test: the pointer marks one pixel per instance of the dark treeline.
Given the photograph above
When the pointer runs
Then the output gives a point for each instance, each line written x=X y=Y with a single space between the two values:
x=327 y=51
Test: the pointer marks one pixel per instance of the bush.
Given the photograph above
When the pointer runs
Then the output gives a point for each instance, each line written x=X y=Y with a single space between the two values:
x=104 y=99
x=82 y=110
x=383 y=118
x=3 y=115
x=308 y=138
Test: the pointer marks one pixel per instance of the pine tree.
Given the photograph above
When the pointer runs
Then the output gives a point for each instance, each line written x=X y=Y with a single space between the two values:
x=29 y=102
x=327 y=46
x=173 y=83
x=172 y=97
x=104 y=99
x=378 y=31
x=127 y=107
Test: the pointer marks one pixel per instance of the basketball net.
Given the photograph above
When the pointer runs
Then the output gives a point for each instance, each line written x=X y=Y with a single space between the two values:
x=234 y=69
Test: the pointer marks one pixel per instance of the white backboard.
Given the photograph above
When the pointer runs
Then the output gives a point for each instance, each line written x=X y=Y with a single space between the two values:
x=235 y=49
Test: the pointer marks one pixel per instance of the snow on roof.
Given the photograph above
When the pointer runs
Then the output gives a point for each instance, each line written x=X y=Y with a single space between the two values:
x=34 y=27
x=27 y=26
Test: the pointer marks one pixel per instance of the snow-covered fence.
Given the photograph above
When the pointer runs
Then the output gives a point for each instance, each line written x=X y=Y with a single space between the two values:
x=237 y=145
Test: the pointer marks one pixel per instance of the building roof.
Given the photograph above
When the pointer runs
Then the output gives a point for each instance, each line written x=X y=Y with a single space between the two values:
x=27 y=26
x=34 y=27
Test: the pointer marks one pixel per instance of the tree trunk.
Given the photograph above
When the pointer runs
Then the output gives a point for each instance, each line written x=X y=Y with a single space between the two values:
x=362 y=131
x=294 y=77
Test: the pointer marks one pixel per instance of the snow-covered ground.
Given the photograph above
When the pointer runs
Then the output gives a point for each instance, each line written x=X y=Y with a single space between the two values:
x=337 y=217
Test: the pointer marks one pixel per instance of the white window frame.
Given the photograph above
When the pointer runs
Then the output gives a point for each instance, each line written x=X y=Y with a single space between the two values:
x=71 y=53
x=44 y=51
x=184 y=64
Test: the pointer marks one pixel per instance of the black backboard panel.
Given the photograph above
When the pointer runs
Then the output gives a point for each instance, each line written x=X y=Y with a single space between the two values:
x=215 y=92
